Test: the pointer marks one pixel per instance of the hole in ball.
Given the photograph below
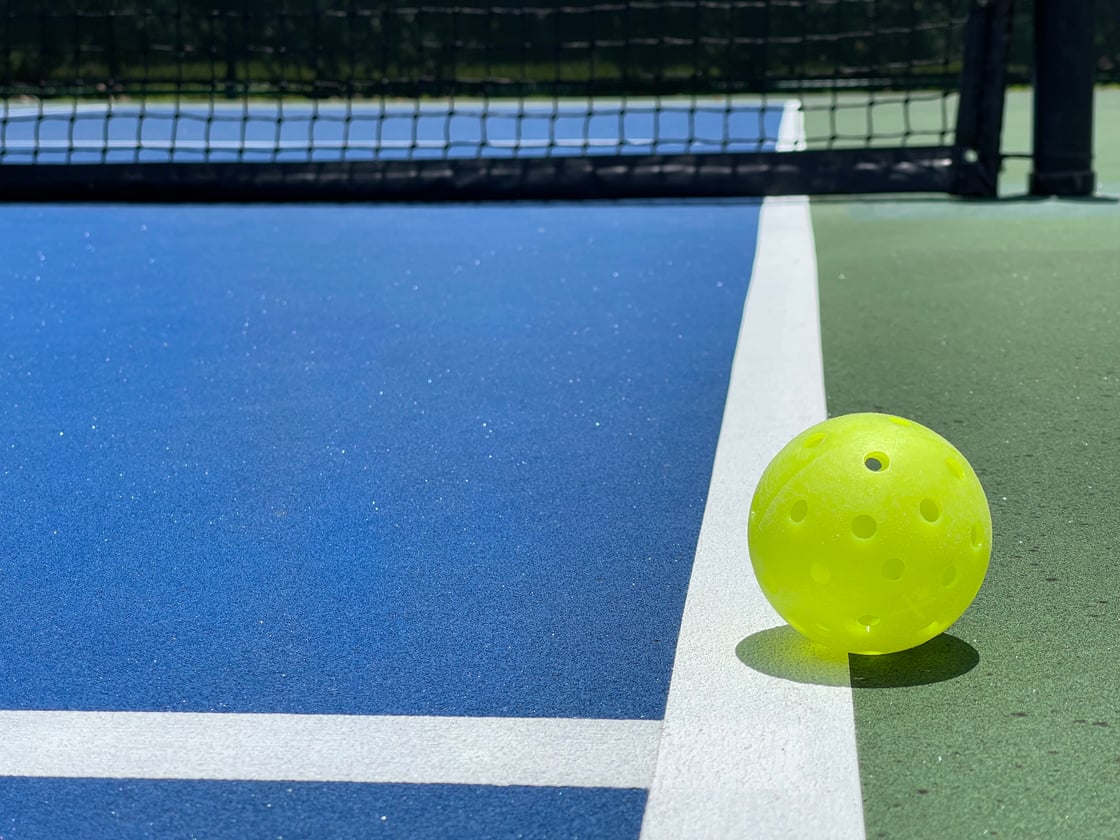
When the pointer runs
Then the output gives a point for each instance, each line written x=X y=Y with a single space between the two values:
x=901 y=421
x=977 y=537
x=893 y=569
x=814 y=440
x=930 y=511
x=955 y=467
x=799 y=511
x=876 y=461
x=863 y=526
x=868 y=621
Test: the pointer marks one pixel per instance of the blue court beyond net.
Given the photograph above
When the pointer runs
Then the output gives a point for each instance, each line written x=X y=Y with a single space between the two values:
x=284 y=131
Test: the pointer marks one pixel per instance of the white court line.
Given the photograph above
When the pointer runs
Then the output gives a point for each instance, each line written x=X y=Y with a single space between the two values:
x=366 y=108
x=791 y=138
x=357 y=145
x=551 y=752
x=744 y=754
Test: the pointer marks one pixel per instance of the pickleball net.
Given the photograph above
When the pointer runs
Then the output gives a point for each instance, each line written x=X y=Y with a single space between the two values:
x=305 y=99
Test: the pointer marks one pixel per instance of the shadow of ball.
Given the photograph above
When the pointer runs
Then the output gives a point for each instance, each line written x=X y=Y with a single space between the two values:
x=941 y=659
x=784 y=653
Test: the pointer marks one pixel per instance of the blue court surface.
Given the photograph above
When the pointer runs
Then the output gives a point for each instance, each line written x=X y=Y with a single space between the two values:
x=361 y=461
x=324 y=466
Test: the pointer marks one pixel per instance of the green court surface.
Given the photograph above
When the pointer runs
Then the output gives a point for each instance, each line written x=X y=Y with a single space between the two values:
x=999 y=325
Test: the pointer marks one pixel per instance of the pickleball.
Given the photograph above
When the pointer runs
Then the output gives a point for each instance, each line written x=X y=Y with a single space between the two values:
x=870 y=533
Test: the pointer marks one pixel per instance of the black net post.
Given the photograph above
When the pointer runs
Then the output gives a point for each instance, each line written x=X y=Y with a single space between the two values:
x=983 y=93
x=1064 y=55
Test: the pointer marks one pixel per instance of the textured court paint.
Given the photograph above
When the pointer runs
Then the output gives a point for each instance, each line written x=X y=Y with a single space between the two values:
x=746 y=753
x=331 y=748
x=1001 y=328
x=130 y=809
x=428 y=460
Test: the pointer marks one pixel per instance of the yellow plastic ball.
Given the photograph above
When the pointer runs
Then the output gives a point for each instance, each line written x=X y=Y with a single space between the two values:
x=870 y=533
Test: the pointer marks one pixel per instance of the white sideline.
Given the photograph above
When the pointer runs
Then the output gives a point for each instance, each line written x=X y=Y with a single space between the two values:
x=743 y=754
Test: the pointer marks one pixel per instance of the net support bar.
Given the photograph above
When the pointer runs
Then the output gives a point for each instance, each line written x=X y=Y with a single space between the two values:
x=983 y=92
x=814 y=172
x=1064 y=54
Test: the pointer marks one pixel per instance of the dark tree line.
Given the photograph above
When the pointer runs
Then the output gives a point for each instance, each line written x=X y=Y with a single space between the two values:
x=429 y=47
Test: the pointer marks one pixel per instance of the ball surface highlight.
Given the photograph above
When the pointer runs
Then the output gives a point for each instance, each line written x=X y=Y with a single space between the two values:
x=870 y=533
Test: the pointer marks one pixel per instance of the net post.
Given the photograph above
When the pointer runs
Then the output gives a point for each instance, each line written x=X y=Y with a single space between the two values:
x=983 y=93
x=1064 y=55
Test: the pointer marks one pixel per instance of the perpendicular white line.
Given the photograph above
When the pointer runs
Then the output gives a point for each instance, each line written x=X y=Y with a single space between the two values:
x=558 y=752
x=26 y=147
x=745 y=754
x=203 y=107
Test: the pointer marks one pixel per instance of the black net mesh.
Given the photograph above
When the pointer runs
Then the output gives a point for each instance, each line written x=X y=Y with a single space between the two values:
x=187 y=81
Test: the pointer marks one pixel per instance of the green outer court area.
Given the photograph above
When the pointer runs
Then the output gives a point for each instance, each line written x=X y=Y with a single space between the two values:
x=999 y=325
